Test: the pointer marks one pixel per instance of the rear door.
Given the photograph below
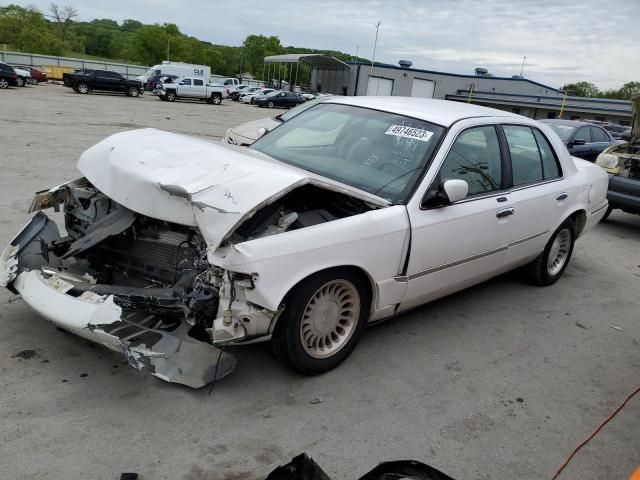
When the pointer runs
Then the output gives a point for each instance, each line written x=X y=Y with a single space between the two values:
x=600 y=140
x=539 y=195
x=199 y=89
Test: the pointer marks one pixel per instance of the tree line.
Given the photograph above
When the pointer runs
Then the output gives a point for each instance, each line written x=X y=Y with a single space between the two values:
x=57 y=32
x=587 y=89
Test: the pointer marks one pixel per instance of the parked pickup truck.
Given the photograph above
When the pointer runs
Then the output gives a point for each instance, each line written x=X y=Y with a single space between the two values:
x=85 y=81
x=191 y=87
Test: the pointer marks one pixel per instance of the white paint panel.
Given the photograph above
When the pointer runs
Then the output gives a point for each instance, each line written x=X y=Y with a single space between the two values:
x=422 y=88
x=380 y=86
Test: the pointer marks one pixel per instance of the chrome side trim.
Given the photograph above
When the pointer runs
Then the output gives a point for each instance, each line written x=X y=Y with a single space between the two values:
x=526 y=239
x=413 y=276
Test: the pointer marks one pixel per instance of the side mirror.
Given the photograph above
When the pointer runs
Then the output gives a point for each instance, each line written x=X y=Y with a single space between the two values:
x=262 y=131
x=449 y=192
x=578 y=141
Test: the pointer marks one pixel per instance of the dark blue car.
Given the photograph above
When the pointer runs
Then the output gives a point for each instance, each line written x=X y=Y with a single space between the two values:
x=278 y=99
x=583 y=140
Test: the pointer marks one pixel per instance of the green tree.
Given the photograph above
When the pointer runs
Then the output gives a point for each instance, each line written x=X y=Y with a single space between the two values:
x=255 y=48
x=629 y=90
x=582 y=89
x=25 y=29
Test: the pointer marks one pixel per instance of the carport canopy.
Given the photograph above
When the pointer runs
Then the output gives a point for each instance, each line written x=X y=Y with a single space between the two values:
x=316 y=60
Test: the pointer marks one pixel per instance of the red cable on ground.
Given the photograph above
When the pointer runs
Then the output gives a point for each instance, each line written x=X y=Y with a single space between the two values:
x=593 y=434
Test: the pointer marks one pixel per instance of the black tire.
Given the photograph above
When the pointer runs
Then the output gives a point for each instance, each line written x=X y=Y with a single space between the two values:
x=607 y=213
x=171 y=96
x=3 y=83
x=270 y=105
x=216 y=98
x=34 y=82
x=539 y=271
x=133 y=91
x=252 y=102
x=21 y=82
x=286 y=343
x=82 y=88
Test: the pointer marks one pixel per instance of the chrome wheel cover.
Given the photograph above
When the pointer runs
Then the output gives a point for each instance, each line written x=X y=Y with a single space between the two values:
x=559 y=252
x=330 y=318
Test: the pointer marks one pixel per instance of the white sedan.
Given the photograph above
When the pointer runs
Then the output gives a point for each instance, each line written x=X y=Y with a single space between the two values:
x=352 y=212
x=249 y=96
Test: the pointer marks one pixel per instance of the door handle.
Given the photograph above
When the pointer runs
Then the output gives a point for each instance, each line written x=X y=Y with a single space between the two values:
x=562 y=196
x=505 y=212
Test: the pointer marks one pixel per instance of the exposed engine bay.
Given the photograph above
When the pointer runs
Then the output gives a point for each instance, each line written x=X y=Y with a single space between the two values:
x=156 y=271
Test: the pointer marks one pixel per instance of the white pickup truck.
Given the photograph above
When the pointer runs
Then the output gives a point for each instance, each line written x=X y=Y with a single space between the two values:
x=191 y=87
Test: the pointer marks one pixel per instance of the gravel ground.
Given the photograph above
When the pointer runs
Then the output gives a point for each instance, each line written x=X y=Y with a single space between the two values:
x=500 y=381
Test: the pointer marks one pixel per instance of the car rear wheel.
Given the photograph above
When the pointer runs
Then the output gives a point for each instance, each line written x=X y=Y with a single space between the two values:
x=270 y=104
x=171 y=97
x=549 y=266
x=21 y=82
x=4 y=83
x=216 y=99
x=82 y=88
x=323 y=320
x=133 y=91
x=34 y=82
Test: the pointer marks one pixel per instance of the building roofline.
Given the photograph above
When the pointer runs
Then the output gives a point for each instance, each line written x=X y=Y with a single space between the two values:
x=460 y=75
x=569 y=97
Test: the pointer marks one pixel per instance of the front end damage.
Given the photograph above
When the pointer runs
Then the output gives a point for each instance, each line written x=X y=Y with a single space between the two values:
x=146 y=287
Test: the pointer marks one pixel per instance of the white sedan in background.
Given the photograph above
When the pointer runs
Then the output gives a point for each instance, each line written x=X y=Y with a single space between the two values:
x=249 y=96
x=351 y=212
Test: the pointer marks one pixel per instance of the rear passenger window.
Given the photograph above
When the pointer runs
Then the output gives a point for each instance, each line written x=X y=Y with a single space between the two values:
x=550 y=167
x=598 y=135
x=198 y=82
x=526 y=162
x=475 y=158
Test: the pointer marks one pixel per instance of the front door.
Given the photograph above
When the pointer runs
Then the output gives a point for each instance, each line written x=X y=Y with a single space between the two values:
x=457 y=245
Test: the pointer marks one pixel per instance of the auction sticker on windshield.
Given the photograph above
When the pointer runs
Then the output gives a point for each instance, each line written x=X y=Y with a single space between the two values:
x=409 y=132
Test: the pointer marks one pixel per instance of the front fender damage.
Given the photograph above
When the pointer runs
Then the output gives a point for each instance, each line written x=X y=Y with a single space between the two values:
x=149 y=343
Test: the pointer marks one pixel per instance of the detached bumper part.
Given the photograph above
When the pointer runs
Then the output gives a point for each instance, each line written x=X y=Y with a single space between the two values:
x=169 y=354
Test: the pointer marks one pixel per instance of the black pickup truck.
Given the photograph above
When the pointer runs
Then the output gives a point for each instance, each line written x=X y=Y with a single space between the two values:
x=84 y=81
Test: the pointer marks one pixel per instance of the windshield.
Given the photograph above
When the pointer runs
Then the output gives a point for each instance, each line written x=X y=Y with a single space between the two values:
x=298 y=110
x=378 y=152
x=563 y=131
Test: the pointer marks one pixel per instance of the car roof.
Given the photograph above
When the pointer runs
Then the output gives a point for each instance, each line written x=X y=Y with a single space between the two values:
x=571 y=123
x=441 y=112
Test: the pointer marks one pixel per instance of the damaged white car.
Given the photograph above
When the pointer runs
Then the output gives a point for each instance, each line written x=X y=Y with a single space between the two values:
x=347 y=214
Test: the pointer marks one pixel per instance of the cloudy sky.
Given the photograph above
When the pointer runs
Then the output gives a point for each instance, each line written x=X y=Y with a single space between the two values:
x=564 y=41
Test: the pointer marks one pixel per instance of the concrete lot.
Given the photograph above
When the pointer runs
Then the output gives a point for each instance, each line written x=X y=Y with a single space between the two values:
x=500 y=381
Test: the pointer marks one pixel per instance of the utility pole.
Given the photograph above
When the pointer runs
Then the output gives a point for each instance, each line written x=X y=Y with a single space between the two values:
x=373 y=58
x=522 y=67
x=168 y=40
x=357 y=48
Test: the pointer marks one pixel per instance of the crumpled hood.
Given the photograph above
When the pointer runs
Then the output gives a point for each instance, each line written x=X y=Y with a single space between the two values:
x=194 y=182
x=185 y=180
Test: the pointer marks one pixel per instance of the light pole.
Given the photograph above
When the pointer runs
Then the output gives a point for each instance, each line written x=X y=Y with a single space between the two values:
x=522 y=67
x=373 y=58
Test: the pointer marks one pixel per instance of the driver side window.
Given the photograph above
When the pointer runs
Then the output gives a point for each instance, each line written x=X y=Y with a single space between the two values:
x=475 y=158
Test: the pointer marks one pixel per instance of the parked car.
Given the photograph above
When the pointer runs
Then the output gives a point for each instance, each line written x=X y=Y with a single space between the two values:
x=8 y=76
x=250 y=96
x=351 y=212
x=37 y=76
x=582 y=139
x=234 y=94
x=24 y=76
x=247 y=133
x=85 y=81
x=278 y=99
x=191 y=88
x=622 y=162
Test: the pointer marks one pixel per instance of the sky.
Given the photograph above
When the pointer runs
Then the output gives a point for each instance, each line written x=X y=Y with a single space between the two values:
x=563 y=41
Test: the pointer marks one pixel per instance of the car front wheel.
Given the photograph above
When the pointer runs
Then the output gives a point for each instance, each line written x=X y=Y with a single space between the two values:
x=82 y=88
x=4 y=83
x=21 y=82
x=270 y=104
x=323 y=320
x=171 y=97
x=549 y=266
x=133 y=91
